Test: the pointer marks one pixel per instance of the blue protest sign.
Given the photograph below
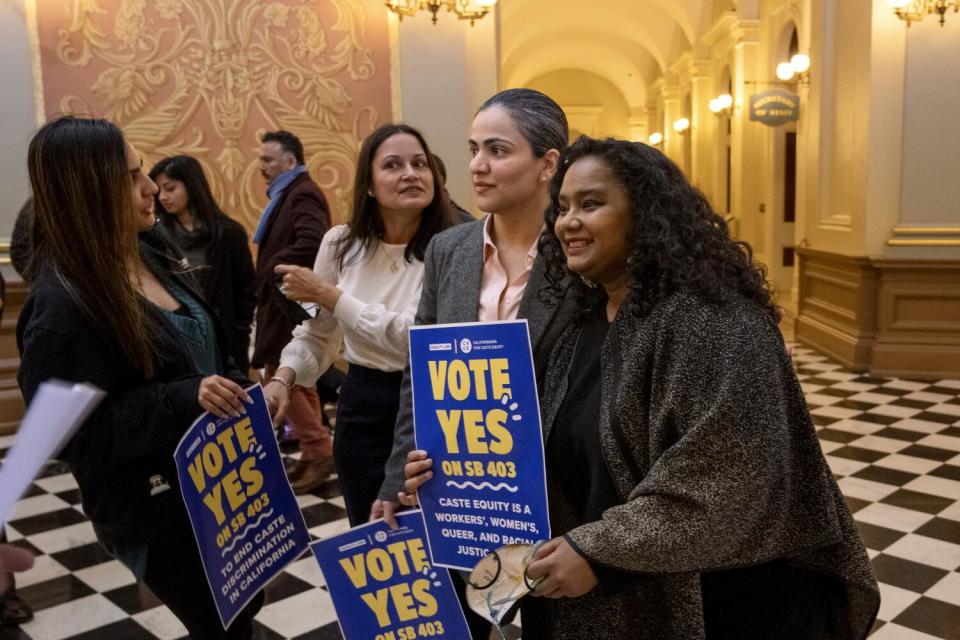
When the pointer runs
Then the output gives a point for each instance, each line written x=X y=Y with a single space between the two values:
x=384 y=586
x=244 y=515
x=476 y=413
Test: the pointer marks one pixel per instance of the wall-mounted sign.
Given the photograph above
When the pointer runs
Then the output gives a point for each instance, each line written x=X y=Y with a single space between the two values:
x=774 y=107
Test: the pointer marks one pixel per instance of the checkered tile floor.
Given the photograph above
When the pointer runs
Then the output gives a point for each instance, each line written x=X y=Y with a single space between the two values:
x=894 y=446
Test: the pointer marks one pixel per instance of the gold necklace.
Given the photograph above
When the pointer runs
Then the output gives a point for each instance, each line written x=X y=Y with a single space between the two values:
x=394 y=267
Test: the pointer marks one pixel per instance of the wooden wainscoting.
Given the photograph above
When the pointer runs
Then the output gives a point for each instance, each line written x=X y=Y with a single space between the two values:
x=918 y=319
x=893 y=318
x=837 y=306
x=11 y=402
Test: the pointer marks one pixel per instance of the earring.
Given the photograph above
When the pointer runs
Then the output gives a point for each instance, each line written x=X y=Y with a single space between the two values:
x=370 y=193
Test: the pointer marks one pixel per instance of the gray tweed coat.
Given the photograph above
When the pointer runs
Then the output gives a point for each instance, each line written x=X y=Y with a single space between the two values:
x=707 y=437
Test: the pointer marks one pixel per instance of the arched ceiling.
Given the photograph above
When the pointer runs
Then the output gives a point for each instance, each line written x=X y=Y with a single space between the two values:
x=630 y=43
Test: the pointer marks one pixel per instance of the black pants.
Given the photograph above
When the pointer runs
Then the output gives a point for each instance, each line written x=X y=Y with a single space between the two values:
x=366 y=415
x=175 y=575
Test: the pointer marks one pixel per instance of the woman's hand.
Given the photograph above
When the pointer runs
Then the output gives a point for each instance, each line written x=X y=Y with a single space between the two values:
x=419 y=469
x=565 y=573
x=222 y=397
x=386 y=509
x=303 y=285
x=277 y=396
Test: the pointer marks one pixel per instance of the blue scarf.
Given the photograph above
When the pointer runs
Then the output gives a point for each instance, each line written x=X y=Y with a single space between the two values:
x=275 y=192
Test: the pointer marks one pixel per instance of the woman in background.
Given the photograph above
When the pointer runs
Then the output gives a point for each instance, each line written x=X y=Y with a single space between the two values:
x=214 y=244
x=110 y=305
x=367 y=281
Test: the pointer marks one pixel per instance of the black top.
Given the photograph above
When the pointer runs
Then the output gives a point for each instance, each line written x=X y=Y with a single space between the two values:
x=132 y=433
x=219 y=259
x=574 y=453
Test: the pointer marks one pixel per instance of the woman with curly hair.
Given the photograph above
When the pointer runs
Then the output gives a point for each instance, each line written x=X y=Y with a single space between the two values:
x=702 y=506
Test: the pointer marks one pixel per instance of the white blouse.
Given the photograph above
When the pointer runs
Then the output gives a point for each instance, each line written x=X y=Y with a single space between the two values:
x=381 y=292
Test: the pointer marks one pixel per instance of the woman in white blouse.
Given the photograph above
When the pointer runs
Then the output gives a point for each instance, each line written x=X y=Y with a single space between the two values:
x=365 y=287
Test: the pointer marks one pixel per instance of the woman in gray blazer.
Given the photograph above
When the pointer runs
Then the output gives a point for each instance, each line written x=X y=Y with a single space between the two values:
x=488 y=269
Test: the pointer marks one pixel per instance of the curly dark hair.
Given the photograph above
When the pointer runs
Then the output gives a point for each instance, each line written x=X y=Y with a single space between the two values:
x=677 y=240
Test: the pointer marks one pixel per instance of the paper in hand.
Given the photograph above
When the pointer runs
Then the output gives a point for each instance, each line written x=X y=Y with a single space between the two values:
x=57 y=410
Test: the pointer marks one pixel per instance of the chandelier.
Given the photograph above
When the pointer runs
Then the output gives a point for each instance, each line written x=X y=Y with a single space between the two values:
x=914 y=10
x=465 y=9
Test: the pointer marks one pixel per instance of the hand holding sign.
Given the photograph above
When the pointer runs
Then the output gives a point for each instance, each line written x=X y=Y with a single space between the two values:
x=384 y=586
x=476 y=413
x=244 y=515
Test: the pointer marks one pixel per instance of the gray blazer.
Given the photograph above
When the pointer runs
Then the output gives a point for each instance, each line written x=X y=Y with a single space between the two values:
x=453 y=267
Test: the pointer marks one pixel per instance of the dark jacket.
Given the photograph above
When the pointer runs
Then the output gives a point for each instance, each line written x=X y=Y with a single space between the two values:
x=292 y=236
x=453 y=268
x=132 y=434
x=20 y=238
x=228 y=283
x=705 y=433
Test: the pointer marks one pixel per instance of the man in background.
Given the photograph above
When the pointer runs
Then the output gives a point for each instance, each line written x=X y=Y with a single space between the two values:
x=289 y=232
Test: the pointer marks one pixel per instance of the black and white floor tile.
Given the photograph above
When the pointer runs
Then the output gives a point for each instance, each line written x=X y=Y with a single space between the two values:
x=894 y=446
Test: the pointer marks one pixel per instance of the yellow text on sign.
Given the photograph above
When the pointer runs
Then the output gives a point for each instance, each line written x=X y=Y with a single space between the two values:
x=237 y=484
x=409 y=599
x=483 y=378
x=479 y=379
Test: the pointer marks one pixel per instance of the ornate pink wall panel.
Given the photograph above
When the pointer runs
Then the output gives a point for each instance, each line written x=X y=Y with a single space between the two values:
x=206 y=77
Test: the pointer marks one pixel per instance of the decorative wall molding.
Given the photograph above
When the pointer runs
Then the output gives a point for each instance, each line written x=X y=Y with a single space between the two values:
x=924 y=236
x=207 y=77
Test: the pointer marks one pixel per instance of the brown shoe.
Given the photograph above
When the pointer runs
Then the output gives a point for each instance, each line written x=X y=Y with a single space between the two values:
x=312 y=475
x=294 y=470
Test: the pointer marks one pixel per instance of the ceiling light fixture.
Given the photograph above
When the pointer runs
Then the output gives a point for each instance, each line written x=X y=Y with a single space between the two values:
x=465 y=9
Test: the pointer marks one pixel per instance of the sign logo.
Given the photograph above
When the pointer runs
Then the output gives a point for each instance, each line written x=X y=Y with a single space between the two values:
x=774 y=107
x=466 y=346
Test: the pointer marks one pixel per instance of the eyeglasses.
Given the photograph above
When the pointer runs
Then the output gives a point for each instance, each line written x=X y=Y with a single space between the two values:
x=499 y=580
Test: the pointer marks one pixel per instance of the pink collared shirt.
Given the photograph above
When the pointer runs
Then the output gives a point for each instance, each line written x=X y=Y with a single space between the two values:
x=499 y=299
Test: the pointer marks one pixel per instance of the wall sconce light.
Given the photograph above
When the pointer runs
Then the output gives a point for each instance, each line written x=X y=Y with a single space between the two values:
x=681 y=125
x=797 y=71
x=914 y=10
x=722 y=105
x=655 y=138
x=465 y=9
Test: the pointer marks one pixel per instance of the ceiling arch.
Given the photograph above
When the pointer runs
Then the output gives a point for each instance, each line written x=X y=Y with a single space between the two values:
x=630 y=43
x=652 y=24
x=622 y=62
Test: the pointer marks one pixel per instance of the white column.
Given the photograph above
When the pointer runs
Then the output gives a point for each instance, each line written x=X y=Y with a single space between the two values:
x=19 y=112
x=444 y=72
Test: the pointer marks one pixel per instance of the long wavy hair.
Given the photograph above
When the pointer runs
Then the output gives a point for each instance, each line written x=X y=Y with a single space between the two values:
x=366 y=224
x=200 y=198
x=677 y=241
x=85 y=227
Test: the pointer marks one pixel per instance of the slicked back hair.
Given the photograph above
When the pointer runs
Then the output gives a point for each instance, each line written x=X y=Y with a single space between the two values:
x=540 y=120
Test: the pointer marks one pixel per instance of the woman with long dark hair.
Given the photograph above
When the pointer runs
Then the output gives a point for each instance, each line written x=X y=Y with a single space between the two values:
x=215 y=245
x=490 y=269
x=366 y=280
x=702 y=506
x=110 y=305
